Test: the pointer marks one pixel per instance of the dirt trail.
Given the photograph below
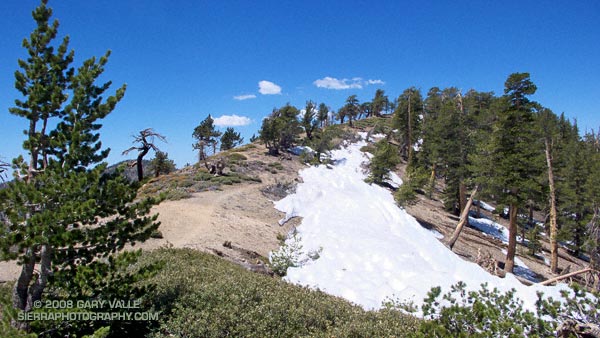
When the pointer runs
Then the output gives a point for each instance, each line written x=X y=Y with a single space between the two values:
x=239 y=214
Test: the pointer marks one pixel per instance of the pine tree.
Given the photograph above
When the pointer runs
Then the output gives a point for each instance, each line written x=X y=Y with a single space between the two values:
x=379 y=103
x=574 y=207
x=351 y=109
x=64 y=214
x=161 y=164
x=592 y=141
x=309 y=123
x=322 y=114
x=365 y=109
x=230 y=139
x=206 y=136
x=385 y=159
x=513 y=170
x=281 y=129
x=407 y=119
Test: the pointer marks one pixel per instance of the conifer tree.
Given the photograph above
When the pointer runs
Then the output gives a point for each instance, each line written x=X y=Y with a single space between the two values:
x=162 y=164
x=365 y=109
x=64 y=213
x=351 y=109
x=322 y=114
x=281 y=129
x=574 y=207
x=206 y=136
x=379 y=103
x=230 y=139
x=407 y=117
x=592 y=141
x=430 y=154
x=309 y=123
x=513 y=170
x=385 y=159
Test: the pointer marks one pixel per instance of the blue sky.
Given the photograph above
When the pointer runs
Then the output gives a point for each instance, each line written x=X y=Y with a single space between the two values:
x=183 y=60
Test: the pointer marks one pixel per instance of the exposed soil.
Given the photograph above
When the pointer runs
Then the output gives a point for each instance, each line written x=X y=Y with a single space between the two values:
x=472 y=243
x=240 y=216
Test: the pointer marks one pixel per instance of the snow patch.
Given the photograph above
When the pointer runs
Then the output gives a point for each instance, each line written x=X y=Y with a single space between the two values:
x=371 y=249
x=394 y=180
x=485 y=206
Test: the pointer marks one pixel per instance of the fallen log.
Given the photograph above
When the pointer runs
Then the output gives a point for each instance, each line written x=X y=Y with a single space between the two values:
x=559 y=278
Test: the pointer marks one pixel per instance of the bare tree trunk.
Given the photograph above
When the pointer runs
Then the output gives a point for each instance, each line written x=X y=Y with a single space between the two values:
x=409 y=141
x=45 y=269
x=462 y=196
x=432 y=181
x=34 y=152
x=140 y=166
x=553 y=223
x=21 y=289
x=509 y=264
x=464 y=217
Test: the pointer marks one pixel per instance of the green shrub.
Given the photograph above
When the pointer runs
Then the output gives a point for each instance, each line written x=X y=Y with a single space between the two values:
x=405 y=195
x=490 y=313
x=243 y=148
x=415 y=179
x=385 y=158
x=237 y=157
x=287 y=256
x=276 y=165
x=369 y=148
x=175 y=194
x=200 y=295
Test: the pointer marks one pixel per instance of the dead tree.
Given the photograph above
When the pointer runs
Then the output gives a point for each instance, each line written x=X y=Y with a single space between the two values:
x=145 y=138
x=3 y=169
x=464 y=218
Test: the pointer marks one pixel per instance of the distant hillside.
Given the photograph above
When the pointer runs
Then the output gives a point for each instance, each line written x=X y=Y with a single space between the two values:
x=130 y=171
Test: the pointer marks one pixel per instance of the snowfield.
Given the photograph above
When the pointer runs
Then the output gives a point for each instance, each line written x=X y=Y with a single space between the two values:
x=371 y=249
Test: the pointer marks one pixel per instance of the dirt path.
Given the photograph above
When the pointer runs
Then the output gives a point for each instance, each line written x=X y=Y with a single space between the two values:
x=239 y=214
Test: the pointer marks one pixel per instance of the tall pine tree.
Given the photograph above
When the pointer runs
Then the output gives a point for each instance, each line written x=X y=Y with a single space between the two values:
x=64 y=213
x=206 y=137
x=407 y=119
x=513 y=173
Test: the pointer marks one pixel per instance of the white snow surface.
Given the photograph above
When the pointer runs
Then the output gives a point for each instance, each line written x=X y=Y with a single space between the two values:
x=371 y=249
x=486 y=206
x=394 y=180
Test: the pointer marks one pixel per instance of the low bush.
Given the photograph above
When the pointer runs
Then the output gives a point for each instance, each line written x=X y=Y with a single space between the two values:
x=200 y=295
x=491 y=313
x=276 y=165
x=237 y=157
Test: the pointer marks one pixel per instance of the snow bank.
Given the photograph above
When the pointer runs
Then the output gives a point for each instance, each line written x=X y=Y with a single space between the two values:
x=490 y=228
x=371 y=249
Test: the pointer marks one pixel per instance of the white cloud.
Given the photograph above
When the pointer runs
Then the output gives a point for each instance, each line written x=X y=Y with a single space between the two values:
x=374 y=82
x=244 y=97
x=339 y=84
x=333 y=83
x=231 y=121
x=268 y=88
